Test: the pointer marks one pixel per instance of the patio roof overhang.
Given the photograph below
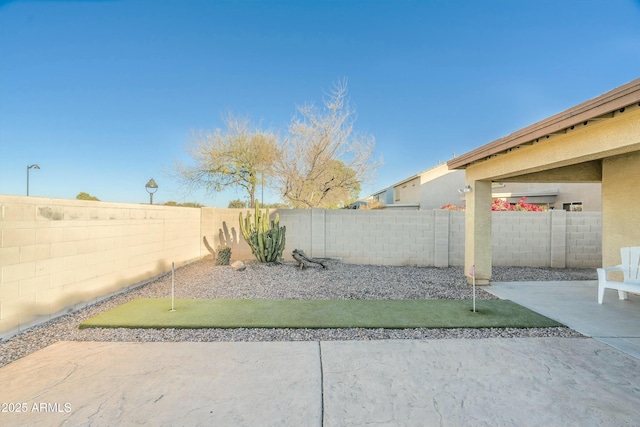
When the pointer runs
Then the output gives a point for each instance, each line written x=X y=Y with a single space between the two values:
x=600 y=108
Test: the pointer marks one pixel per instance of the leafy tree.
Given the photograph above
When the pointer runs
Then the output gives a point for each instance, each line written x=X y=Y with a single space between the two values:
x=239 y=157
x=86 y=196
x=322 y=162
x=237 y=203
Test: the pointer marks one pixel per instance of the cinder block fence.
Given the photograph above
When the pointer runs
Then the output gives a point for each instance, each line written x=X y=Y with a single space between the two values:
x=436 y=238
x=59 y=255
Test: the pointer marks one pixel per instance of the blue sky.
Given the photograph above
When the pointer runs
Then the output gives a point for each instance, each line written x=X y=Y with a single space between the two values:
x=104 y=95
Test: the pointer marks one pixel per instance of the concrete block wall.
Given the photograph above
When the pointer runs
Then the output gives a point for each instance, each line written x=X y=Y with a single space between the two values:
x=558 y=243
x=436 y=238
x=456 y=237
x=381 y=237
x=364 y=237
x=521 y=238
x=584 y=239
x=221 y=227
x=298 y=236
x=59 y=255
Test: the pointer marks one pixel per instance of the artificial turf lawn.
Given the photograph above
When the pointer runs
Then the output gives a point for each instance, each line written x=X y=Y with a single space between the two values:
x=267 y=313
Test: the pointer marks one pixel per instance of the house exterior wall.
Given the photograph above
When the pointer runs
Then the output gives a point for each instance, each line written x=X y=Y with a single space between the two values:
x=59 y=255
x=384 y=197
x=407 y=192
x=440 y=187
x=590 y=194
x=621 y=205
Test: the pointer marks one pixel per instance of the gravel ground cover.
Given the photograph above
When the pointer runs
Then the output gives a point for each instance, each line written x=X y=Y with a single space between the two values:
x=203 y=279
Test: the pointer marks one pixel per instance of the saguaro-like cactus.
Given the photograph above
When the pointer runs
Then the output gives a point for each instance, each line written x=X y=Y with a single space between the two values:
x=266 y=238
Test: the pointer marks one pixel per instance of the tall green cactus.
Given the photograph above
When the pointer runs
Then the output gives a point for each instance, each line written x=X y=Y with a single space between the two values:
x=266 y=238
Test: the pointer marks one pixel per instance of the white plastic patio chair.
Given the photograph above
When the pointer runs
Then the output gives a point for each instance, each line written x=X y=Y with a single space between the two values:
x=630 y=268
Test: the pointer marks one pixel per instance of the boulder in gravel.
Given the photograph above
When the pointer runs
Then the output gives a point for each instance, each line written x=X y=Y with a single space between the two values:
x=238 y=265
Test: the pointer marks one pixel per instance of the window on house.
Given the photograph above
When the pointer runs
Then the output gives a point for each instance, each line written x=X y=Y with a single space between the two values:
x=572 y=207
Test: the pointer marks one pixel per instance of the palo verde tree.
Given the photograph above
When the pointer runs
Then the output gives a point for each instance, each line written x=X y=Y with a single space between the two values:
x=322 y=162
x=241 y=156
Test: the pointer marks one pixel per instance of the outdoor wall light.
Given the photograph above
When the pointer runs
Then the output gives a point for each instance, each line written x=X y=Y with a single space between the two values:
x=34 y=166
x=465 y=189
x=151 y=187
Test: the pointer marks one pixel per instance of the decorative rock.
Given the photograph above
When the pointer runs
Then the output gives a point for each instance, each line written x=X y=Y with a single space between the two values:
x=279 y=281
x=238 y=265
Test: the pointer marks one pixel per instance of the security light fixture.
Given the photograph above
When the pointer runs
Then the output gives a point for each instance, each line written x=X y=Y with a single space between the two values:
x=465 y=189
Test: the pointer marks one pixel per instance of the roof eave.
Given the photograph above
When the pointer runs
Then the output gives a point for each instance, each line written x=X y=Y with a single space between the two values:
x=616 y=99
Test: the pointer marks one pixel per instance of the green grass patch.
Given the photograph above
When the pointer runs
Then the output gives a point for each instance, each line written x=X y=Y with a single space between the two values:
x=267 y=313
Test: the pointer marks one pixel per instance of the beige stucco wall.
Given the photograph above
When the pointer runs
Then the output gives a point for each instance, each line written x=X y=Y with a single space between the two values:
x=586 y=153
x=440 y=187
x=58 y=255
x=621 y=205
x=407 y=192
x=221 y=227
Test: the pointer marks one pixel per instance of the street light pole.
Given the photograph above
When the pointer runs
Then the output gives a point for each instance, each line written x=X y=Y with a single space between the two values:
x=151 y=187
x=34 y=166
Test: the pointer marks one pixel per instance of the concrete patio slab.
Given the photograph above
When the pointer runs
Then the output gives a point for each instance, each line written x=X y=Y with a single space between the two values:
x=575 y=303
x=170 y=384
x=485 y=382
x=489 y=382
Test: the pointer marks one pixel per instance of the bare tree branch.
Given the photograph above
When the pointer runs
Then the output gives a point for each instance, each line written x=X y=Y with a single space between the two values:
x=322 y=162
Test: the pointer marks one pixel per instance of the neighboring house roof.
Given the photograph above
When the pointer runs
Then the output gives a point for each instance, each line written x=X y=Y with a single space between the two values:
x=599 y=108
x=412 y=177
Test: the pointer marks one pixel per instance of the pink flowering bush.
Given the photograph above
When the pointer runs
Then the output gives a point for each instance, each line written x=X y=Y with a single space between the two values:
x=522 y=205
x=502 y=205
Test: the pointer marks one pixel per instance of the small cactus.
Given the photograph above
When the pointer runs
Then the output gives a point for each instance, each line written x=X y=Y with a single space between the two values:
x=224 y=256
x=266 y=238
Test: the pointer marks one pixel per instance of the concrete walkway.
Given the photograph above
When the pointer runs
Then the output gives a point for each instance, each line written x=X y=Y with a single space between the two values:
x=486 y=382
